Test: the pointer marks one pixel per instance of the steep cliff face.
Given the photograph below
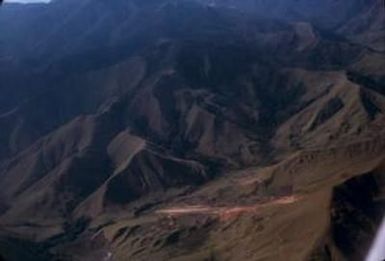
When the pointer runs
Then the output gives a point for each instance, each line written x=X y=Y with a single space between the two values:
x=151 y=130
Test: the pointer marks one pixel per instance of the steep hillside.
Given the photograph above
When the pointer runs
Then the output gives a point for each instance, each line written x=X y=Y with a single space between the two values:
x=368 y=28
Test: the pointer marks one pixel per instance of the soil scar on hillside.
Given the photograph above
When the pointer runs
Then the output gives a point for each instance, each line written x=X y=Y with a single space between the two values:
x=225 y=212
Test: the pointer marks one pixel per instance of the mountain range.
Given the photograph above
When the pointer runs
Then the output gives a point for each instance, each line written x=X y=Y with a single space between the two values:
x=191 y=129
